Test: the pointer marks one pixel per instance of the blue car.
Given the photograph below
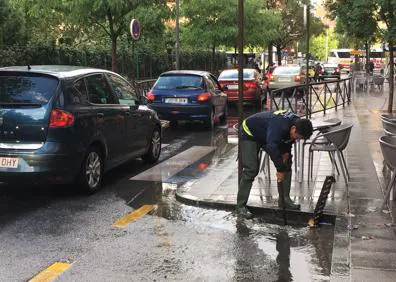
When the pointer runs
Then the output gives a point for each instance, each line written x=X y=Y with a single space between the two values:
x=189 y=95
x=61 y=124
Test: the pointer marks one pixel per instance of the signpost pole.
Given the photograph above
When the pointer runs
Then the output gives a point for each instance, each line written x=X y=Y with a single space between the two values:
x=240 y=82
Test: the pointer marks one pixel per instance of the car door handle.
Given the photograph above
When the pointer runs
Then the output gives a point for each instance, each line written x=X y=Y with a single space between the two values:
x=100 y=115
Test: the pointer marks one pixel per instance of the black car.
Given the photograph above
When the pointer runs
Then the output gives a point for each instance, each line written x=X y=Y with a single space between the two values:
x=331 y=70
x=60 y=124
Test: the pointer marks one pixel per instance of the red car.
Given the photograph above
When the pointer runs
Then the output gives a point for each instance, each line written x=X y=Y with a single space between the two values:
x=254 y=87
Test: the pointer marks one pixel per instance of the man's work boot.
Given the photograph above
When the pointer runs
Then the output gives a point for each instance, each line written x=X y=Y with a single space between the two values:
x=286 y=190
x=244 y=212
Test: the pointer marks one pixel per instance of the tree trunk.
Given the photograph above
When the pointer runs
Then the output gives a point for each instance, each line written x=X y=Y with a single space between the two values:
x=270 y=61
x=279 y=54
x=391 y=78
x=367 y=57
x=213 y=58
x=114 y=54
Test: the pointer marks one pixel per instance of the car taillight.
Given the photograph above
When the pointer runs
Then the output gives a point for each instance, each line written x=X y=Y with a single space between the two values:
x=250 y=84
x=297 y=78
x=59 y=118
x=203 y=97
x=150 y=96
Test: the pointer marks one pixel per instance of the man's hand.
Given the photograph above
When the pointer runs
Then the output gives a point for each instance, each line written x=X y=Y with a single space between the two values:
x=280 y=176
x=285 y=157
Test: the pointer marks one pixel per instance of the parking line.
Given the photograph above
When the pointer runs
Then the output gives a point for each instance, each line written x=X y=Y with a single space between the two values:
x=51 y=272
x=134 y=215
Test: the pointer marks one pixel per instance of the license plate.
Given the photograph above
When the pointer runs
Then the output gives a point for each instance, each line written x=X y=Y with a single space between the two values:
x=8 y=162
x=232 y=87
x=176 y=100
x=284 y=79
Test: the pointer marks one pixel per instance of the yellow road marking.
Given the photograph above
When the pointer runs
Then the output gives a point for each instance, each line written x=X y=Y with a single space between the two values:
x=51 y=272
x=134 y=215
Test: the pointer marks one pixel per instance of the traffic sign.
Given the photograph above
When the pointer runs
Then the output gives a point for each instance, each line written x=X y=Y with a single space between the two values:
x=135 y=29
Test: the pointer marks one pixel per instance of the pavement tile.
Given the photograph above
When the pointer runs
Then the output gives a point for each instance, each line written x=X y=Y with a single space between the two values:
x=369 y=275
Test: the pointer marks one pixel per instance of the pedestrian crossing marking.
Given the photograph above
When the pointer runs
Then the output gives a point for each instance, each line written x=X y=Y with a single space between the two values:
x=51 y=272
x=133 y=216
x=172 y=166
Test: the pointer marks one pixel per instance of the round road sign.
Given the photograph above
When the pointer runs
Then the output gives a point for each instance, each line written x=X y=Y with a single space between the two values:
x=135 y=29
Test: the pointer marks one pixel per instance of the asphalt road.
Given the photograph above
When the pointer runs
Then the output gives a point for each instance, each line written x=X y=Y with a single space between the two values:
x=43 y=225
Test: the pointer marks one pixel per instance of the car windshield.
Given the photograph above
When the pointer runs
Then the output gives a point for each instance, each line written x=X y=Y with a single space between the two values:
x=344 y=55
x=169 y=82
x=286 y=71
x=233 y=74
x=24 y=89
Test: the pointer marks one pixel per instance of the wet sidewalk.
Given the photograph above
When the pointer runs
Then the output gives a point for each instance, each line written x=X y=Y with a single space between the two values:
x=364 y=247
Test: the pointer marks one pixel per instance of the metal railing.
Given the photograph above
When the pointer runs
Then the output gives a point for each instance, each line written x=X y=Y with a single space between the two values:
x=304 y=100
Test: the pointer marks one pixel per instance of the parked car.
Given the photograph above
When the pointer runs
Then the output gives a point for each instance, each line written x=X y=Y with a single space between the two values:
x=286 y=76
x=331 y=70
x=189 y=95
x=254 y=87
x=60 y=124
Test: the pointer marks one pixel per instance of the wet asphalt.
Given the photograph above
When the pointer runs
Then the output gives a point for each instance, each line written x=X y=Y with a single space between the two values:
x=40 y=225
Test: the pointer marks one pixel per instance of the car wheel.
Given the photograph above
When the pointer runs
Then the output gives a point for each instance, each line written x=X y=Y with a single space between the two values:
x=210 y=122
x=155 y=147
x=91 y=172
x=223 y=118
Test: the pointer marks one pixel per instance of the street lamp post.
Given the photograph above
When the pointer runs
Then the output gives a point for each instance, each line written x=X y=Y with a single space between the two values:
x=240 y=81
x=177 y=34
x=306 y=21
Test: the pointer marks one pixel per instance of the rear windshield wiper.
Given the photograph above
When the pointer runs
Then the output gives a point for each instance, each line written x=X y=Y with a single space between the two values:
x=19 y=104
x=188 y=86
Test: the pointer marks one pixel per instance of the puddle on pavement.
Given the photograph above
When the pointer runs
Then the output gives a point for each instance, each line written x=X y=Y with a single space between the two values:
x=260 y=249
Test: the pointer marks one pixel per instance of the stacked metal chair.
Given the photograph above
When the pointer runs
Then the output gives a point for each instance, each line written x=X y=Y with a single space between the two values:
x=388 y=148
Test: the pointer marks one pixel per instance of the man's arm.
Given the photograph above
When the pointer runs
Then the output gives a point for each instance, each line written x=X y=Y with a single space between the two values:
x=275 y=134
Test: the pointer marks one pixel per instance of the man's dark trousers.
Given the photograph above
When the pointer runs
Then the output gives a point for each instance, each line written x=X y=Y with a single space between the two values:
x=250 y=165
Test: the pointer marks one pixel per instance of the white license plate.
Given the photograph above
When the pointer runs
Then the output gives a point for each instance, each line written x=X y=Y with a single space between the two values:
x=176 y=100
x=232 y=87
x=283 y=79
x=8 y=162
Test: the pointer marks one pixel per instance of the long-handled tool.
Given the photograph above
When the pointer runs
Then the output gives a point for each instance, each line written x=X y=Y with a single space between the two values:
x=282 y=200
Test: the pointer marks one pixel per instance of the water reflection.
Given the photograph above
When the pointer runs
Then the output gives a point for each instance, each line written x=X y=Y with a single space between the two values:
x=251 y=261
x=283 y=257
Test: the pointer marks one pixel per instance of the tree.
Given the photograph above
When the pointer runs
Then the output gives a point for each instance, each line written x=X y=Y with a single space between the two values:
x=111 y=16
x=11 y=24
x=359 y=19
x=213 y=23
x=387 y=13
x=292 y=28
x=318 y=44
x=209 y=24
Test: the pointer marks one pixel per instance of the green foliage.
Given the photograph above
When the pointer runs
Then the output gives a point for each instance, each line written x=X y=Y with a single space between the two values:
x=318 y=45
x=387 y=13
x=11 y=24
x=292 y=28
x=209 y=23
x=354 y=18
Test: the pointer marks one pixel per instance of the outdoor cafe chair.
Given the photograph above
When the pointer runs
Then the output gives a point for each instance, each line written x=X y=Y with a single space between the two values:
x=338 y=138
x=388 y=148
x=318 y=128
